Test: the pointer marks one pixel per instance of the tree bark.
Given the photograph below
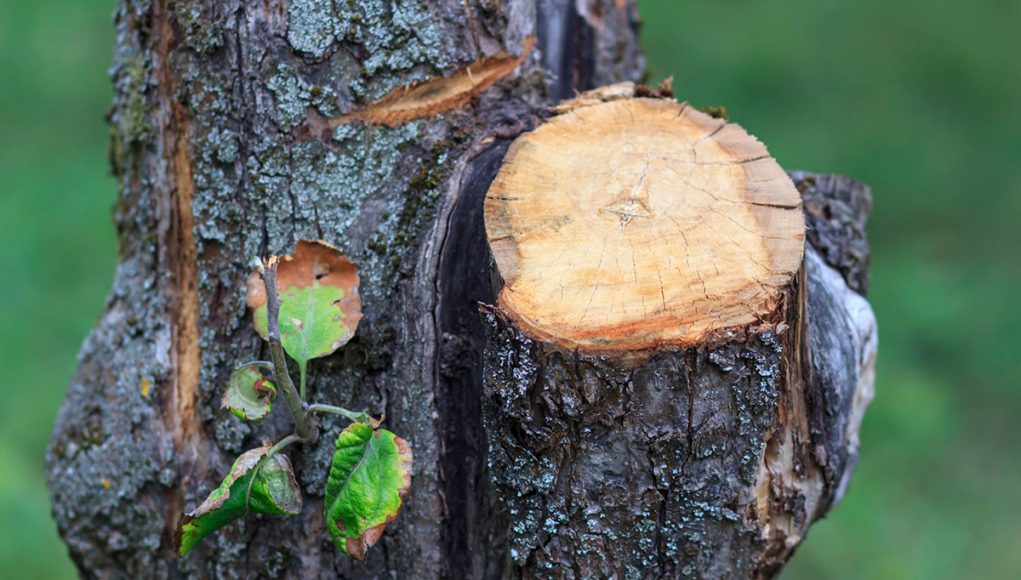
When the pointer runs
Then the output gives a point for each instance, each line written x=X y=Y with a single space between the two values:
x=240 y=128
x=216 y=162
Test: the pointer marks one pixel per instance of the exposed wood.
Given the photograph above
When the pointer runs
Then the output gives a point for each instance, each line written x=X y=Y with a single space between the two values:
x=637 y=223
x=428 y=98
x=843 y=342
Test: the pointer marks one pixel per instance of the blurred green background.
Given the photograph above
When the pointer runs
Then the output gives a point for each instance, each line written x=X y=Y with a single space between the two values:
x=919 y=98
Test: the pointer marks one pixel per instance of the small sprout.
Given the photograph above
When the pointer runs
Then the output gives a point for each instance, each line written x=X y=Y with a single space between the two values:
x=311 y=300
x=146 y=387
x=258 y=482
x=250 y=394
x=370 y=474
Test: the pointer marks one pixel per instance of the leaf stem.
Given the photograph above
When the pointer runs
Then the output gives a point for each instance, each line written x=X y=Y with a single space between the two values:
x=303 y=424
x=302 y=372
x=321 y=408
x=262 y=364
x=292 y=438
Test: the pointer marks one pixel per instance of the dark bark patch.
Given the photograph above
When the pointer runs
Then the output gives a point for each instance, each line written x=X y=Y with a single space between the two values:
x=836 y=210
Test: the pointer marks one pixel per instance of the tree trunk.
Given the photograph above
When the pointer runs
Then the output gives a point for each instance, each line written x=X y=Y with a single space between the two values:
x=240 y=128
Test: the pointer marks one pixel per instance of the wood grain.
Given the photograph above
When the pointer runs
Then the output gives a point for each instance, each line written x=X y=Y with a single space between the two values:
x=637 y=223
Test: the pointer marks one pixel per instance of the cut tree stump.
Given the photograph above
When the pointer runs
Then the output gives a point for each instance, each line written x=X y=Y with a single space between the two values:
x=659 y=402
x=639 y=223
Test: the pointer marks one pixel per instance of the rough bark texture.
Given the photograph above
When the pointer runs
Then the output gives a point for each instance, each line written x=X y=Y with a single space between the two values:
x=709 y=461
x=239 y=128
x=836 y=209
x=209 y=141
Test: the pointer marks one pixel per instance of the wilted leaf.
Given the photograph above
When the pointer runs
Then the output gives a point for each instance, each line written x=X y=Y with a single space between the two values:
x=319 y=304
x=256 y=483
x=371 y=472
x=250 y=394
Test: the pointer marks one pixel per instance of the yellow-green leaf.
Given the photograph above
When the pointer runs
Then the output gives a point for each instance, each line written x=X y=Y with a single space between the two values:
x=256 y=483
x=370 y=474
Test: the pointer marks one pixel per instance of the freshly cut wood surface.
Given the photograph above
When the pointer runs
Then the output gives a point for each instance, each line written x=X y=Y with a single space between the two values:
x=638 y=223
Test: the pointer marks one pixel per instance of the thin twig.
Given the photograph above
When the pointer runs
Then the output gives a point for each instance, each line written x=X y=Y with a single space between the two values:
x=302 y=422
x=262 y=364
x=361 y=417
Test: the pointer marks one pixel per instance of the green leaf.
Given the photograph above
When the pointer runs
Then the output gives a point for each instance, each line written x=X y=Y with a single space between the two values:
x=250 y=394
x=371 y=472
x=311 y=322
x=256 y=483
x=319 y=304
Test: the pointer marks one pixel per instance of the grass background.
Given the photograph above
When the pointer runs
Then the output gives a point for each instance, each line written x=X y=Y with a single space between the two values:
x=919 y=98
